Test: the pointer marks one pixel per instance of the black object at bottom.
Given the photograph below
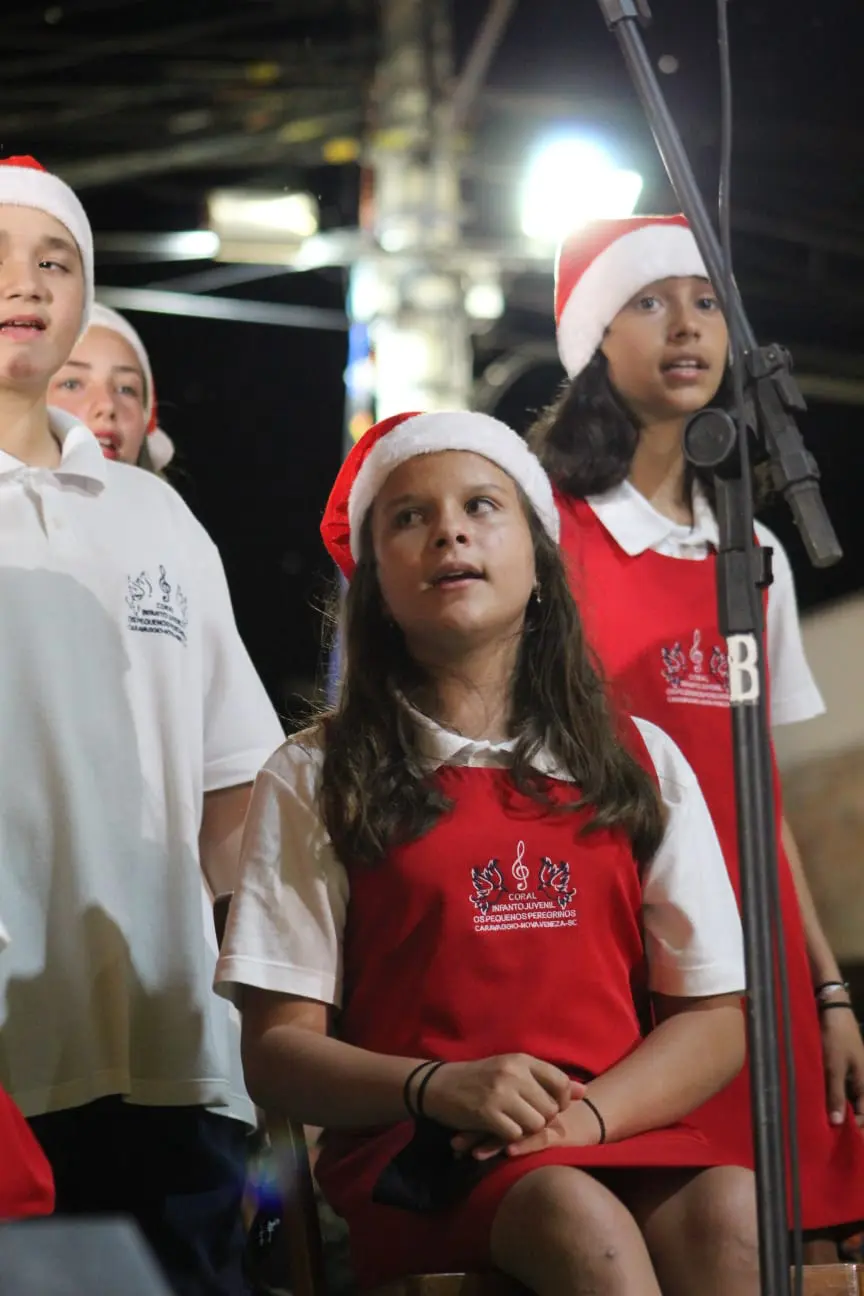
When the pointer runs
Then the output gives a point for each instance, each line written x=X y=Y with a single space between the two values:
x=178 y=1172
x=427 y=1175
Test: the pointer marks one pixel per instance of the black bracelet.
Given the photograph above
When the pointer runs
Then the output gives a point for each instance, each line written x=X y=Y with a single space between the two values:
x=829 y=985
x=421 y=1088
x=406 y=1088
x=826 y=1007
x=600 y=1121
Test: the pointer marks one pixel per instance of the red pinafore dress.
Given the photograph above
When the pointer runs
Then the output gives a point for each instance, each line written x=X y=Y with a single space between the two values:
x=653 y=622
x=26 y=1183
x=502 y=930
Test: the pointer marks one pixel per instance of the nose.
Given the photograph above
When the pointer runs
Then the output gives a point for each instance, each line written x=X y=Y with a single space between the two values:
x=19 y=281
x=684 y=321
x=450 y=527
x=102 y=404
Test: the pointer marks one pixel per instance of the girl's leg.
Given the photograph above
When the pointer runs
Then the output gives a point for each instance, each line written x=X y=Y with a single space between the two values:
x=700 y=1228
x=561 y=1233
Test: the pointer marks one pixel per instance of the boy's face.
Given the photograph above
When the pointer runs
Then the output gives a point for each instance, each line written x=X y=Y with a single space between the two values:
x=41 y=296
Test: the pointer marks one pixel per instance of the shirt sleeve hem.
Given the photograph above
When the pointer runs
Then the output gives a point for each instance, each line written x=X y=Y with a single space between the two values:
x=796 y=707
x=233 y=973
x=235 y=770
x=698 y=983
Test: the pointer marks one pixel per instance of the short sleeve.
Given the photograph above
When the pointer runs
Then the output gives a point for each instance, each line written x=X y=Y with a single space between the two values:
x=693 y=938
x=241 y=728
x=288 y=913
x=794 y=693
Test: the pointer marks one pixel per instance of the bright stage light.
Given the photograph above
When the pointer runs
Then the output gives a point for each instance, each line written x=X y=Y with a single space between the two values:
x=247 y=214
x=570 y=182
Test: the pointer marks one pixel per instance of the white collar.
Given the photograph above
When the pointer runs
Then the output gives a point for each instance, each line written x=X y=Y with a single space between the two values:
x=438 y=746
x=81 y=457
x=636 y=525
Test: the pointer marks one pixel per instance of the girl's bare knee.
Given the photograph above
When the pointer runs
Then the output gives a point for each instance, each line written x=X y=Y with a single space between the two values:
x=707 y=1224
x=558 y=1225
x=722 y=1213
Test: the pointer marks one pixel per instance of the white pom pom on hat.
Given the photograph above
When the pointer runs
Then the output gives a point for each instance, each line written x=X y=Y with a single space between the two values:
x=404 y=436
x=159 y=444
x=603 y=265
x=24 y=182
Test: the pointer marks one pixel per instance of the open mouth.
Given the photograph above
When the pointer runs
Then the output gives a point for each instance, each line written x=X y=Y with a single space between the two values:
x=454 y=577
x=685 y=365
x=109 y=444
x=22 y=326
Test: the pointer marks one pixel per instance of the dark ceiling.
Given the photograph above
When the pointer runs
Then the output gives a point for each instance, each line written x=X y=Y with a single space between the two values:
x=144 y=105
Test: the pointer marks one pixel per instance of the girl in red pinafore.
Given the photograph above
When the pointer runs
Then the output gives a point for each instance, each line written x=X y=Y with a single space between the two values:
x=26 y=1182
x=463 y=893
x=644 y=344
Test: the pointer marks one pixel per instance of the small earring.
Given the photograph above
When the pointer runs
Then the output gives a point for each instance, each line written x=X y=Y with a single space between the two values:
x=537 y=593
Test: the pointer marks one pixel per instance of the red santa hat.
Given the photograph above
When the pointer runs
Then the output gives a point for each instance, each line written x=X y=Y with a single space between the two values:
x=404 y=436
x=24 y=182
x=603 y=265
x=159 y=444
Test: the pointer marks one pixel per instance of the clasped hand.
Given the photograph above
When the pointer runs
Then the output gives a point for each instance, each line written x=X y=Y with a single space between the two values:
x=512 y=1103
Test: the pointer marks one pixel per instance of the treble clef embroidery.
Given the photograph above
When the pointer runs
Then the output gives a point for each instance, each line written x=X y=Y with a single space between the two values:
x=520 y=868
x=696 y=654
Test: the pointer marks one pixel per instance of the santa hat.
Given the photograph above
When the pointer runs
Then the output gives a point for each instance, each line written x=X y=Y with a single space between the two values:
x=24 y=182
x=404 y=436
x=159 y=444
x=602 y=266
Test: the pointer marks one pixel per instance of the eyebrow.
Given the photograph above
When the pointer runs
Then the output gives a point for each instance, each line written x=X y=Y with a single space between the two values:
x=51 y=243
x=478 y=489
x=55 y=244
x=84 y=364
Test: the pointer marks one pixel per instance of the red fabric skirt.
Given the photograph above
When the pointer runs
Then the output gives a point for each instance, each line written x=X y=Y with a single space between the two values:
x=388 y=1243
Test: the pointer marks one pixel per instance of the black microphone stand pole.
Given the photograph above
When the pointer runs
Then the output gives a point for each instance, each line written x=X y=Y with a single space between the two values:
x=766 y=429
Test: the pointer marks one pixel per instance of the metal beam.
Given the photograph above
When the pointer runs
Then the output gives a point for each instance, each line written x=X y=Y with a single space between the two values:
x=72 y=51
x=220 y=276
x=481 y=54
x=233 y=310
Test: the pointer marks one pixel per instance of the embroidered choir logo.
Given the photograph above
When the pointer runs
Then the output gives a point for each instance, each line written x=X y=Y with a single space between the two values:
x=689 y=678
x=158 y=608
x=503 y=905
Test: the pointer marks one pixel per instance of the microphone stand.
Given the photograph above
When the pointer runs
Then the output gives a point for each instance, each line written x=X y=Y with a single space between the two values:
x=766 y=429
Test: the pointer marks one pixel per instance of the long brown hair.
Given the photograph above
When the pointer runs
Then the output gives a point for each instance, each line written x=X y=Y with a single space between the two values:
x=375 y=793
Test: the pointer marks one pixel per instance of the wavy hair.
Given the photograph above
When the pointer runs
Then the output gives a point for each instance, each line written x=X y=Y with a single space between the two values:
x=375 y=793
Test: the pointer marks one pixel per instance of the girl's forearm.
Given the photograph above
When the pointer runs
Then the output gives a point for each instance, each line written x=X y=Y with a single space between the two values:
x=685 y=1060
x=311 y=1078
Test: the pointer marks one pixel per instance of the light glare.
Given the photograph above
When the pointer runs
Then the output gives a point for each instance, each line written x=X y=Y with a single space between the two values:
x=571 y=182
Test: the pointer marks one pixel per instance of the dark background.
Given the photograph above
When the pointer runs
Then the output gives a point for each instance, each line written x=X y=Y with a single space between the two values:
x=145 y=105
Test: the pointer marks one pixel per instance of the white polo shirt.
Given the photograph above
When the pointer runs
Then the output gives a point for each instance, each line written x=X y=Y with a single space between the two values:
x=288 y=913
x=636 y=526
x=125 y=695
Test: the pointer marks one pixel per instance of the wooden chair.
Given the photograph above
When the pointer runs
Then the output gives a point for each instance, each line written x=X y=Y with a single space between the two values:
x=303 y=1233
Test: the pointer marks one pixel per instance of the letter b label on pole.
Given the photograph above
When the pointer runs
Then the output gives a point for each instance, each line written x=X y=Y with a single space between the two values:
x=743 y=653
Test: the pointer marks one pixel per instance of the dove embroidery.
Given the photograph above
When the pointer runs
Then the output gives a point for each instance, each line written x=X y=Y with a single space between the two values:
x=555 y=883
x=489 y=886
